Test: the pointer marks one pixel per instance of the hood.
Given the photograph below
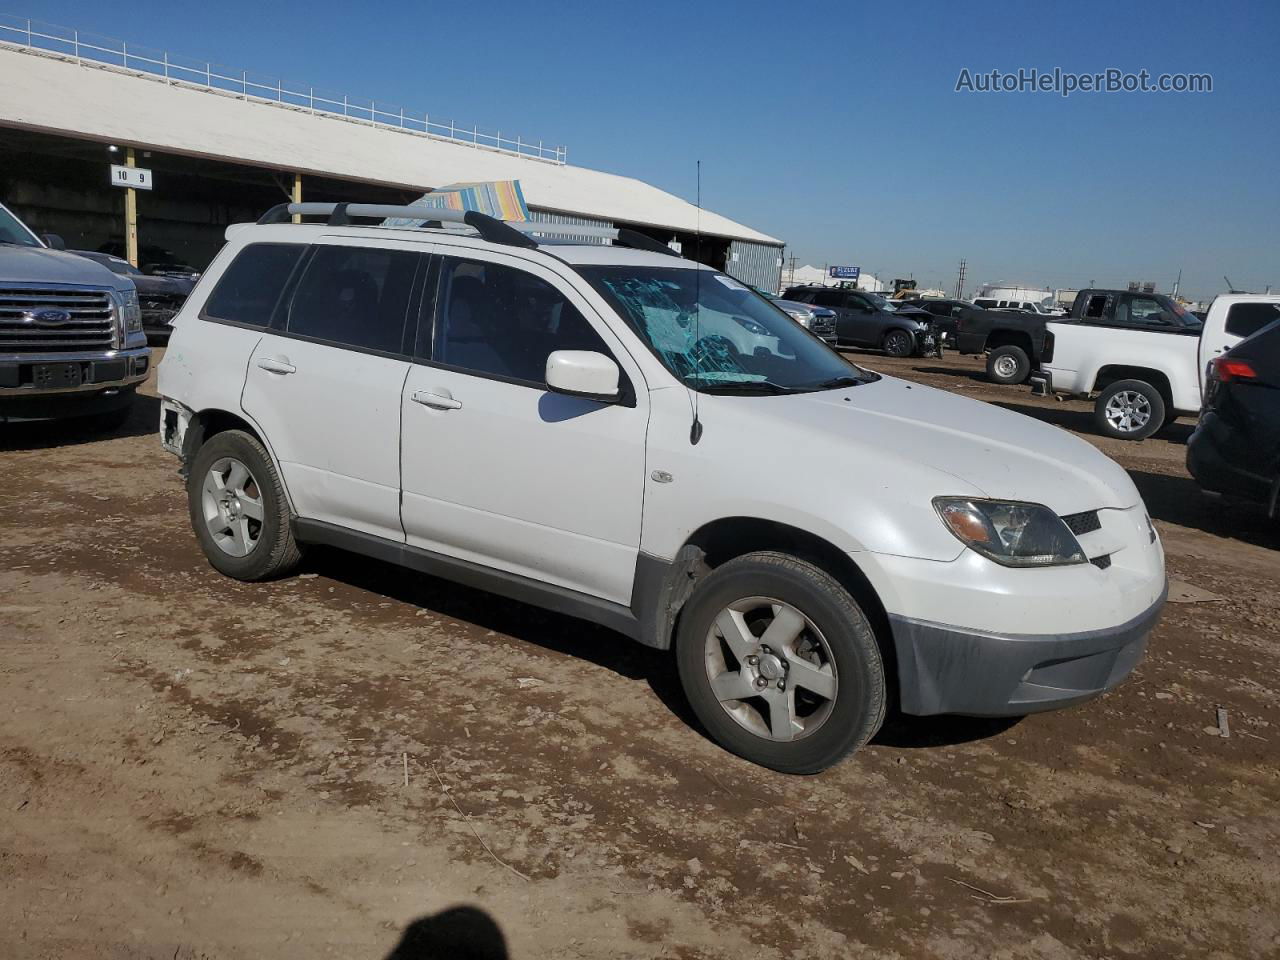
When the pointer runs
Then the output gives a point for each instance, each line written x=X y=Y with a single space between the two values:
x=972 y=448
x=41 y=265
x=162 y=286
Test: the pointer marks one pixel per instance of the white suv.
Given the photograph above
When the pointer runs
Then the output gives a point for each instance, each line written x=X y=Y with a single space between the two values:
x=620 y=434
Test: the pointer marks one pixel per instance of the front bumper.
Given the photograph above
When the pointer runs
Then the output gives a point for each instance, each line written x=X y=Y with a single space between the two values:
x=101 y=382
x=944 y=669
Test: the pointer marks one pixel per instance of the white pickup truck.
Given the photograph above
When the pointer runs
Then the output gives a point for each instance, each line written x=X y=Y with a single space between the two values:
x=1142 y=355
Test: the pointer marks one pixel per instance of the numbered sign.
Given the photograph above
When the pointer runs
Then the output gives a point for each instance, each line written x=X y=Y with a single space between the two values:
x=137 y=177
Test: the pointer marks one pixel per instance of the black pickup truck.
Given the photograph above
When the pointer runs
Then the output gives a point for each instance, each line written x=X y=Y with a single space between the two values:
x=1013 y=341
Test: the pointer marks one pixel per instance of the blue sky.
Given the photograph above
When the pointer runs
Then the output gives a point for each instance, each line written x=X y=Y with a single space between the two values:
x=834 y=126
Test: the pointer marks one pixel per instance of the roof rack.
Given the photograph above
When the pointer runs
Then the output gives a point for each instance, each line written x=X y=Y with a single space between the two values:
x=341 y=214
x=514 y=234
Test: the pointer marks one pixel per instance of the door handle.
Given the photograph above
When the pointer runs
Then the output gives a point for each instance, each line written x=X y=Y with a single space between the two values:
x=437 y=401
x=272 y=365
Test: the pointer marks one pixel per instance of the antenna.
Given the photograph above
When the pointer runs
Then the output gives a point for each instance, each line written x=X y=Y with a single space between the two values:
x=695 y=428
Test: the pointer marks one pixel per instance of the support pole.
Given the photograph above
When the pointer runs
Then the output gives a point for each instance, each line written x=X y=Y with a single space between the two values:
x=296 y=196
x=130 y=217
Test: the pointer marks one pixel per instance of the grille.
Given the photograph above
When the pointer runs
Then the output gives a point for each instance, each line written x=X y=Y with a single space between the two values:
x=1102 y=562
x=1081 y=523
x=91 y=325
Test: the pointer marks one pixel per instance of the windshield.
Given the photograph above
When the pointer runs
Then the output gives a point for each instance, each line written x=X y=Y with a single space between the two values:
x=1181 y=316
x=716 y=335
x=13 y=231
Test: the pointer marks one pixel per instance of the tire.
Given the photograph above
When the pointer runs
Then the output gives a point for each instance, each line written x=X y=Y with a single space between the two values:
x=898 y=343
x=1129 y=410
x=834 y=643
x=1008 y=364
x=247 y=548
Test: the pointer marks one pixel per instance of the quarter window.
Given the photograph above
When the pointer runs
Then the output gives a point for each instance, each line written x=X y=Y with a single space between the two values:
x=1246 y=319
x=498 y=320
x=249 y=289
x=355 y=296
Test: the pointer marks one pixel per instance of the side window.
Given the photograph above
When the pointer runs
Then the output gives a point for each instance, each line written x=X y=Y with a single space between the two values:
x=1096 y=308
x=249 y=289
x=1145 y=312
x=355 y=296
x=499 y=320
x=828 y=298
x=799 y=296
x=1246 y=319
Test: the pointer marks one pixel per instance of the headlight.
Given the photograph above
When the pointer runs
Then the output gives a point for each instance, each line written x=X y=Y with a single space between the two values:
x=802 y=317
x=1010 y=533
x=129 y=310
x=752 y=327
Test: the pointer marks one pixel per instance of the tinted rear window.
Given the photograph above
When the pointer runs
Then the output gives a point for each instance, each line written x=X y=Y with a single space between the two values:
x=1246 y=319
x=250 y=288
x=355 y=296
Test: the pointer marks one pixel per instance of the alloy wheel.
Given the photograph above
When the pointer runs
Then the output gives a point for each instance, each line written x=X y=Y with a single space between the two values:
x=1128 y=411
x=231 y=502
x=898 y=344
x=770 y=668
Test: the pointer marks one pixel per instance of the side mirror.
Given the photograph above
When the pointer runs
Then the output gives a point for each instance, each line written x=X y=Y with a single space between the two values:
x=583 y=373
x=54 y=242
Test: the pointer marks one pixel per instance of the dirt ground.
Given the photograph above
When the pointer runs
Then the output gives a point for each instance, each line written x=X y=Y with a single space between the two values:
x=196 y=768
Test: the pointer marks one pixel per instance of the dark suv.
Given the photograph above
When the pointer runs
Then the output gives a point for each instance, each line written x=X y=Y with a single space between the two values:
x=864 y=319
x=1236 y=446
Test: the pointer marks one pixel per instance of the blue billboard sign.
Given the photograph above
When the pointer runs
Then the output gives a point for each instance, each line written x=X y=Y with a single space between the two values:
x=844 y=273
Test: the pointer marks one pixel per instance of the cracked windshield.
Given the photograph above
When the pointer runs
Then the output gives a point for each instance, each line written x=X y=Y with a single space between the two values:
x=717 y=335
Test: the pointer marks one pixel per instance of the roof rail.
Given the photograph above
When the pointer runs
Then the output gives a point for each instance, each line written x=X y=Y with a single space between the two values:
x=516 y=234
x=622 y=236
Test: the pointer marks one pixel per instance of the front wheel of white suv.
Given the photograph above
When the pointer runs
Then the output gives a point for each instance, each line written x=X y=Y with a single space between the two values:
x=238 y=508
x=780 y=663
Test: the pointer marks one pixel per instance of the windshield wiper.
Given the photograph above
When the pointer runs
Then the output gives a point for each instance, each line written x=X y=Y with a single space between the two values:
x=767 y=387
x=844 y=380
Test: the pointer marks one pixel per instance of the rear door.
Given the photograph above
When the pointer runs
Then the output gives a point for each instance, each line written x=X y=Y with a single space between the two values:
x=325 y=384
x=497 y=469
x=1225 y=328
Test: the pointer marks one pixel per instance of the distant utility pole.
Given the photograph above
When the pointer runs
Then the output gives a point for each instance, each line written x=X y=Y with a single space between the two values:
x=792 y=279
x=960 y=280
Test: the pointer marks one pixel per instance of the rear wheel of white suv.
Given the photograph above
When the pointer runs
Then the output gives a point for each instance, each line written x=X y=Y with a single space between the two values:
x=780 y=664
x=238 y=508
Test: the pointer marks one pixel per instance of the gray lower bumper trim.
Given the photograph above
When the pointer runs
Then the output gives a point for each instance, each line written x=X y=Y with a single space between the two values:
x=944 y=669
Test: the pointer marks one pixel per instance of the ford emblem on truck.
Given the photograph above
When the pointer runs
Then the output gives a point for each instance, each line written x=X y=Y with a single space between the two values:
x=47 y=318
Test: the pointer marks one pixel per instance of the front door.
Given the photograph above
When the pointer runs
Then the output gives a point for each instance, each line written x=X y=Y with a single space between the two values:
x=498 y=470
x=864 y=322
x=326 y=388
x=837 y=301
